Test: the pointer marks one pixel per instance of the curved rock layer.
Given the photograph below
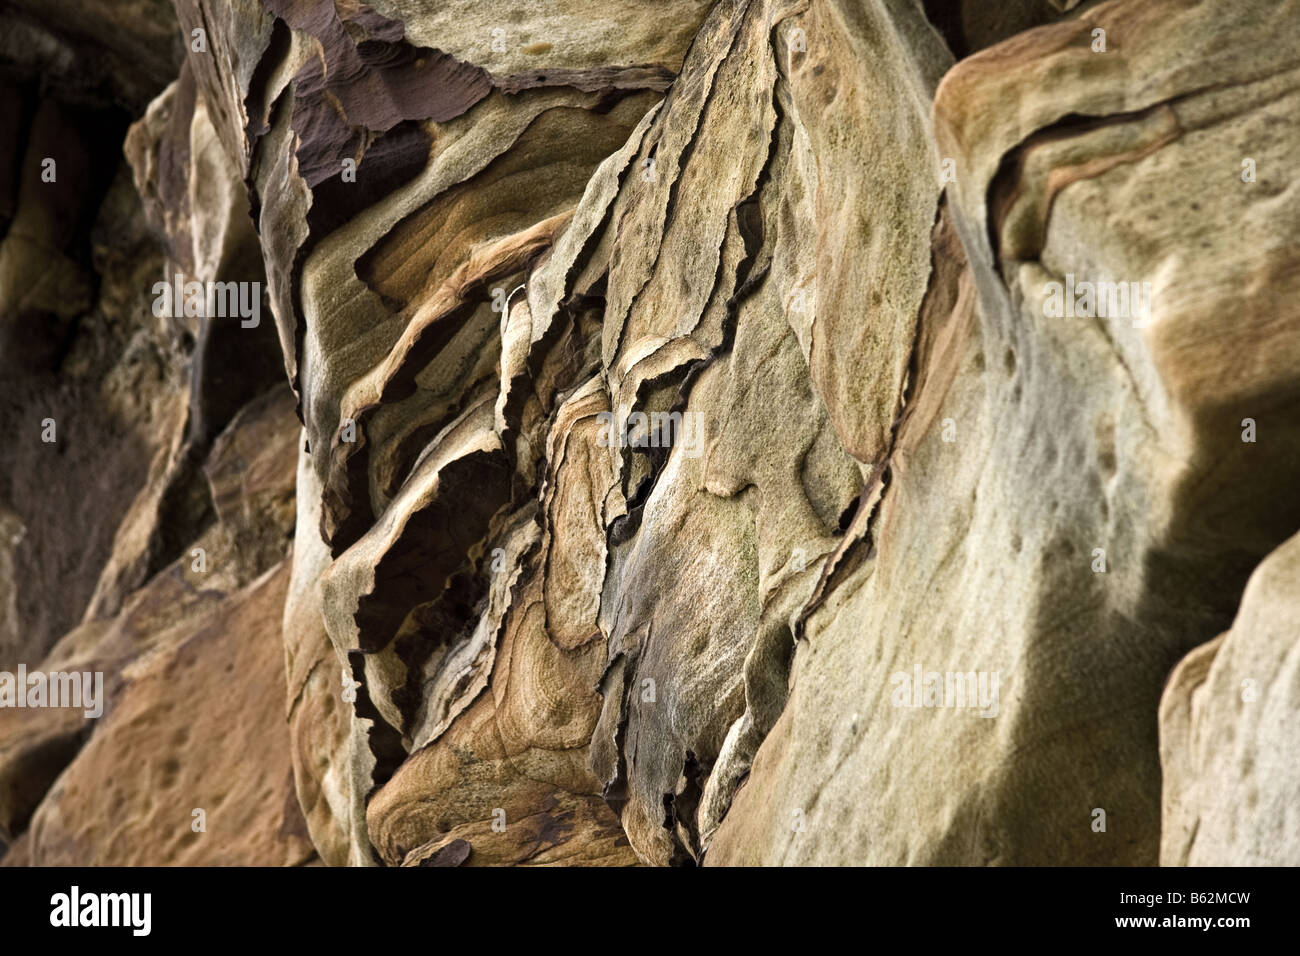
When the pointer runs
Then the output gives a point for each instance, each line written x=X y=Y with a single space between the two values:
x=736 y=432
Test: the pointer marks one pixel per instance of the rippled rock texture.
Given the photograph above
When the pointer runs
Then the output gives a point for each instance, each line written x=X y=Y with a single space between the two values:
x=735 y=432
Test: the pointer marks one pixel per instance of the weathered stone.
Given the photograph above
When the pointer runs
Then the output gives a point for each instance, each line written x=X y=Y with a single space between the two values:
x=1229 y=719
x=710 y=445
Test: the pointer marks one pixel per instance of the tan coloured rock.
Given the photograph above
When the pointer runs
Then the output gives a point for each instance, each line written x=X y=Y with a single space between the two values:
x=206 y=608
x=709 y=446
x=1068 y=434
x=192 y=726
x=1229 y=719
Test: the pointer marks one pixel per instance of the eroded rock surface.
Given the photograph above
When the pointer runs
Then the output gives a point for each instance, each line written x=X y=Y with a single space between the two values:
x=747 y=432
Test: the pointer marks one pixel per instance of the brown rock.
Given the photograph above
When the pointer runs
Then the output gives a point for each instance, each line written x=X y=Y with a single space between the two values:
x=738 y=432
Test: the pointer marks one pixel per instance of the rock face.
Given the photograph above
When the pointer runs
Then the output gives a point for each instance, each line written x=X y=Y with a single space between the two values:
x=735 y=432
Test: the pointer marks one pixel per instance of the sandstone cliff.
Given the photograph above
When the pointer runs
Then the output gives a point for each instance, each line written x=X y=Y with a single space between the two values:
x=678 y=432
